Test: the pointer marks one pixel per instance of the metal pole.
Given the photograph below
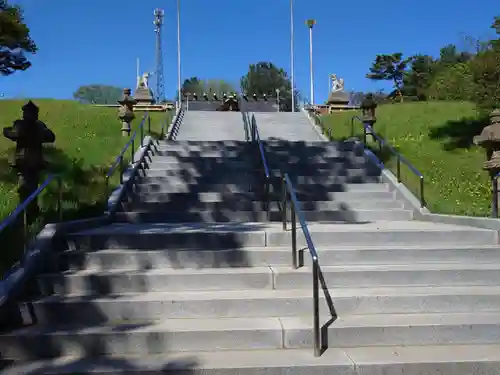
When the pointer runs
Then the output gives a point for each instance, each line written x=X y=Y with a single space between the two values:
x=292 y=56
x=179 y=53
x=311 y=63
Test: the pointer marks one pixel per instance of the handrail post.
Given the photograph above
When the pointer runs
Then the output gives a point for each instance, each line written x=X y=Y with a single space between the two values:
x=25 y=231
x=494 y=197
x=266 y=193
x=364 y=134
x=283 y=202
x=121 y=169
x=422 y=196
x=59 y=198
x=149 y=124
x=132 y=150
x=316 y=327
x=398 y=168
x=294 y=237
x=142 y=136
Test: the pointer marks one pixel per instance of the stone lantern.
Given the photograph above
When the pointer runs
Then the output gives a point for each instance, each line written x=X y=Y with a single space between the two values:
x=490 y=140
x=126 y=111
x=30 y=134
x=368 y=107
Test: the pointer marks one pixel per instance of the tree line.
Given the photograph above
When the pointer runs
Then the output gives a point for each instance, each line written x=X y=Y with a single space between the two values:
x=471 y=74
x=262 y=78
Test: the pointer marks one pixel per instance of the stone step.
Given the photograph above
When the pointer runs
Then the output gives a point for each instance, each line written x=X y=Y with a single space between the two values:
x=198 y=163
x=439 y=359
x=89 y=282
x=233 y=185
x=342 y=192
x=188 y=154
x=332 y=171
x=141 y=260
x=198 y=174
x=144 y=203
x=338 y=183
x=146 y=307
x=157 y=236
x=152 y=213
x=183 y=335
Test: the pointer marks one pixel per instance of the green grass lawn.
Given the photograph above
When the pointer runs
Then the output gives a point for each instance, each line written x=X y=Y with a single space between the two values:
x=88 y=139
x=436 y=137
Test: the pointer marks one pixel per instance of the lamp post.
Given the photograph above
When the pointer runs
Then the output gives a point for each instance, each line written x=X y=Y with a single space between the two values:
x=179 y=53
x=310 y=23
x=292 y=56
x=278 y=98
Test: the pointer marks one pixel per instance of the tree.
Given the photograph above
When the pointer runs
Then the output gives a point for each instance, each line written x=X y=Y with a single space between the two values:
x=389 y=68
x=418 y=78
x=15 y=39
x=98 y=94
x=265 y=78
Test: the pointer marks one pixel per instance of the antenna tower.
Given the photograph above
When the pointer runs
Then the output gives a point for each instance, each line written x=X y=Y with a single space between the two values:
x=160 y=85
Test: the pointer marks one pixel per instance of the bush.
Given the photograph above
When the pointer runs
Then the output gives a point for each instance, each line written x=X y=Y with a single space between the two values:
x=453 y=83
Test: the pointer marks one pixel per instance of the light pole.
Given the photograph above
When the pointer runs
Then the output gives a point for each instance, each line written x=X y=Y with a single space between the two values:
x=292 y=56
x=310 y=24
x=179 y=100
x=278 y=98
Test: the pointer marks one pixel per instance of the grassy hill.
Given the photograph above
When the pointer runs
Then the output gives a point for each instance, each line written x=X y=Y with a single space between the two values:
x=436 y=137
x=88 y=139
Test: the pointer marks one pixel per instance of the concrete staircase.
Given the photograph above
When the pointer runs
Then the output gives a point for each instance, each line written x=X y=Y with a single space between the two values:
x=182 y=287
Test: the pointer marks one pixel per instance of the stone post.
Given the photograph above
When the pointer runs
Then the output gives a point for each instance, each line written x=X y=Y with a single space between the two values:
x=126 y=111
x=368 y=106
x=490 y=140
x=29 y=134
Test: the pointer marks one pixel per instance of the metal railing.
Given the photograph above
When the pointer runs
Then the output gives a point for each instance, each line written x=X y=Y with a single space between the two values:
x=119 y=161
x=21 y=210
x=295 y=212
x=400 y=159
x=176 y=121
x=263 y=161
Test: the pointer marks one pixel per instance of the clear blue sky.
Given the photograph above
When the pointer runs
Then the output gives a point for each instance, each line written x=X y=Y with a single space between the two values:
x=84 y=42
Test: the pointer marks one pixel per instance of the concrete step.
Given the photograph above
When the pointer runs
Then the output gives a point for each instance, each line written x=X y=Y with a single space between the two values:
x=332 y=171
x=89 y=282
x=338 y=182
x=150 y=204
x=202 y=144
x=163 y=193
x=152 y=213
x=182 y=335
x=232 y=185
x=439 y=359
x=201 y=164
x=197 y=174
x=238 y=235
x=140 y=260
x=206 y=154
x=147 y=307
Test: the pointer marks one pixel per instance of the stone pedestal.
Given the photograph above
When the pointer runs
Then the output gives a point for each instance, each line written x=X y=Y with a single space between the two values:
x=338 y=101
x=143 y=96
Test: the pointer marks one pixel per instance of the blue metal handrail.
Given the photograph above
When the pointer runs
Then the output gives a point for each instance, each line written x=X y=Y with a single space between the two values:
x=131 y=143
x=296 y=212
x=400 y=158
x=22 y=208
x=265 y=167
x=261 y=146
